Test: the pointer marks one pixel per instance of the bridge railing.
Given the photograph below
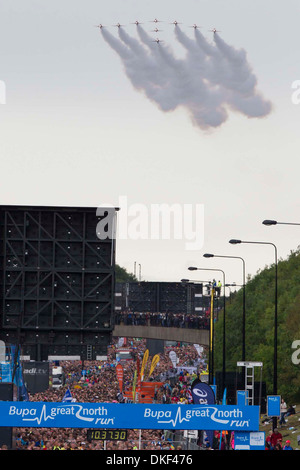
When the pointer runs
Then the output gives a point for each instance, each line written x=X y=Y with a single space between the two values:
x=167 y=320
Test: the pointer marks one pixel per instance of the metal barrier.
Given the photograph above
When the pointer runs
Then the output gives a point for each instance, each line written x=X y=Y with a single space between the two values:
x=171 y=440
x=184 y=444
x=176 y=441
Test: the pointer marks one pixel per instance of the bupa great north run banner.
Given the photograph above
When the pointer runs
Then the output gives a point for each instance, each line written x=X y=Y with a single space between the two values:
x=128 y=416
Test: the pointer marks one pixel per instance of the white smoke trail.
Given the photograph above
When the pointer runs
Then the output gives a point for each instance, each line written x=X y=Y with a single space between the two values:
x=212 y=79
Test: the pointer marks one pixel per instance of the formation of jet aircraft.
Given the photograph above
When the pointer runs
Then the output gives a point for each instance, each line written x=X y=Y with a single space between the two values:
x=175 y=23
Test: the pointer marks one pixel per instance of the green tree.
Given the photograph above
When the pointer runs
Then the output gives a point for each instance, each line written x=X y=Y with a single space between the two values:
x=123 y=276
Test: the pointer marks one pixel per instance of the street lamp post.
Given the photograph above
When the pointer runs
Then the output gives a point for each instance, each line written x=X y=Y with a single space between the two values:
x=210 y=255
x=233 y=285
x=275 y=222
x=192 y=268
x=235 y=242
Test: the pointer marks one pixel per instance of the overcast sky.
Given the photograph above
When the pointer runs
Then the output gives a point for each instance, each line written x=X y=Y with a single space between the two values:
x=74 y=130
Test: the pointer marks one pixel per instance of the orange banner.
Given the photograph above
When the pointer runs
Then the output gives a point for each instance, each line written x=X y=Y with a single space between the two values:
x=146 y=391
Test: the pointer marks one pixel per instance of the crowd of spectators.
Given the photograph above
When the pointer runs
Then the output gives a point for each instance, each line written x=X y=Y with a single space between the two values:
x=96 y=381
x=176 y=320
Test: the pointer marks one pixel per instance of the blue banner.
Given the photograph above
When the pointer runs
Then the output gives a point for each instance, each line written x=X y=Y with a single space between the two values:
x=128 y=416
x=273 y=405
x=202 y=393
x=214 y=389
x=241 y=397
x=68 y=396
x=6 y=372
x=249 y=440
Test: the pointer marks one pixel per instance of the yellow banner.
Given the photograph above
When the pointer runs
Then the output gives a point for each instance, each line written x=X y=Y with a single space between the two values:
x=134 y=385
x=145 y=359
x=211 y=319
x=155 y=360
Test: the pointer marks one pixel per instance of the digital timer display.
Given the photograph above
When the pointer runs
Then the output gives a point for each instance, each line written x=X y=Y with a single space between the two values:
x=107 y=434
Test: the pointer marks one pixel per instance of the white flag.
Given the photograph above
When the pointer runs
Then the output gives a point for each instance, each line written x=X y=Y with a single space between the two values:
x=173 y=358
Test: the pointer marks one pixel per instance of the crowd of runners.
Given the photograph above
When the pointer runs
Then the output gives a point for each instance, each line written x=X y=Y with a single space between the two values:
x=96 y=381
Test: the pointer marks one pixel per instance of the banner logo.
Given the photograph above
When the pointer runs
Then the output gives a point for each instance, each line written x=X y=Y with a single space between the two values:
x=202 y=393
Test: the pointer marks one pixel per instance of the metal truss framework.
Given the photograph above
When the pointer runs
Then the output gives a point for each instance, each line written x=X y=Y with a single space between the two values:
x=57 y=277
x=171 y=297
